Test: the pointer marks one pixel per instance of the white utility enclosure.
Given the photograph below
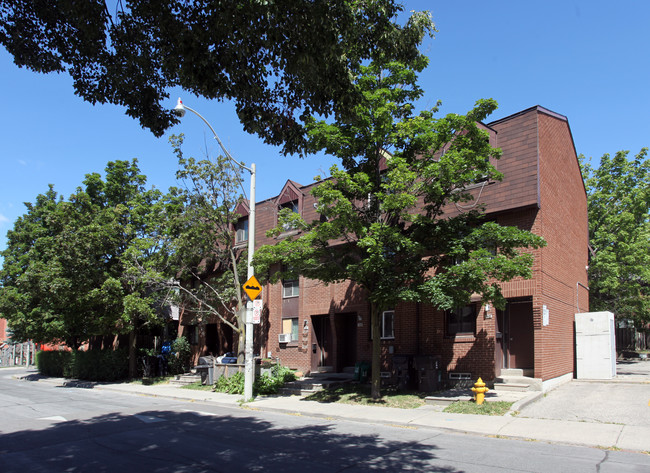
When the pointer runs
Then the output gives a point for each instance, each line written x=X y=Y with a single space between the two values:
x=595 y=345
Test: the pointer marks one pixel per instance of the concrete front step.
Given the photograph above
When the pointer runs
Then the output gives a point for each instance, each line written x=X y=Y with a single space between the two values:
x=185 y=379
x=517 y=383
x=517 y=372
x=314 y=383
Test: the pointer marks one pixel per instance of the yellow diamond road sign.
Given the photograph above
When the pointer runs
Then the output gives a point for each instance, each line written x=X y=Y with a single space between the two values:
x=252 y=288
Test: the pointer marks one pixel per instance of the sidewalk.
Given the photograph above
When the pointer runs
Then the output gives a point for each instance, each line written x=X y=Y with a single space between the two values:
x=592 y=434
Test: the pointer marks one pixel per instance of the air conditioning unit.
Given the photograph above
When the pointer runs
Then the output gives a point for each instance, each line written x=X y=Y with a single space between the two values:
x=284 y=337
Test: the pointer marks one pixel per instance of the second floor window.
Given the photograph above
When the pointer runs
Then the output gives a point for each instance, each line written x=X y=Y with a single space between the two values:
x=241 y=230
x=290 y=288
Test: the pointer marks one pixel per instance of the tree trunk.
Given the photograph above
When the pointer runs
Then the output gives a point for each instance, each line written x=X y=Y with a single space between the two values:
x=132 y=354
x=375 y=317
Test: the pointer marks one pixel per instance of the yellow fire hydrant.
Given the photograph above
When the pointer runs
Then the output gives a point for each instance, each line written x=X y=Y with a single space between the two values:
x=479 y=391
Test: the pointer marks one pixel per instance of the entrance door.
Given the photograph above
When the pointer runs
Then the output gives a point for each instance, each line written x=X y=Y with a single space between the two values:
x=520 y=334
x=346 y=340
x=321 y=341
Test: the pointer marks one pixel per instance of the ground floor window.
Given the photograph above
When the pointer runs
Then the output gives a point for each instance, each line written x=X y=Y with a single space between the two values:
x=388 y=324
x=290 y=325
x=461 y=320
x=191 y=332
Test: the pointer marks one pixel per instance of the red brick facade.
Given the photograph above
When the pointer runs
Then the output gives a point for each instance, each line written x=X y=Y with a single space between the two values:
x=542 y=191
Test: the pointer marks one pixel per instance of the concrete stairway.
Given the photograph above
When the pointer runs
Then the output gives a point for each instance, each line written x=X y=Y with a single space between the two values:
x=184 y=379
x=517 y=380
x=315 y=382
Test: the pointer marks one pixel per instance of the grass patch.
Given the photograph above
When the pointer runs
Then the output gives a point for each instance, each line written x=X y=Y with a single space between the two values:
x=488 y=408
x=359 y=394
x=197 y=386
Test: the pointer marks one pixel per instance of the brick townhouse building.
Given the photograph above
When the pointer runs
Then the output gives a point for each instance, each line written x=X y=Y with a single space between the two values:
x=310 y=326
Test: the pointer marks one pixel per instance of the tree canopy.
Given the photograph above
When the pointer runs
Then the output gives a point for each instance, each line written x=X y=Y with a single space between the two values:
x=280 y=61
x=197 y=255
x=393 y=220
x=64 y=276
x=618 y=196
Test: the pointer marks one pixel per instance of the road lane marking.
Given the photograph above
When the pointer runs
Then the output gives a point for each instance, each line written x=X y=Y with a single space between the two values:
x=149 y=419
x=55 y=418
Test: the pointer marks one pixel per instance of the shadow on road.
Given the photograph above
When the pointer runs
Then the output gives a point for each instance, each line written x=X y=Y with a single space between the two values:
x=166 y=441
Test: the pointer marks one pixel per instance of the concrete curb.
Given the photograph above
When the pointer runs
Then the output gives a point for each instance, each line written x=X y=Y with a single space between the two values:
x=519 y=405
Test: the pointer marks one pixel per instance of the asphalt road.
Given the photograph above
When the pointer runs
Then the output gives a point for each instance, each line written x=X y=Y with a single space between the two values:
x=46 y=428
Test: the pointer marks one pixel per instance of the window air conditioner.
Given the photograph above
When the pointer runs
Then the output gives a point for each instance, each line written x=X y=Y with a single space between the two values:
x=284 y=337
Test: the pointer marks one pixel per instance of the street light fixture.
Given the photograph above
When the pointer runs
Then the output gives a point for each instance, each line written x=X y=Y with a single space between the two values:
x=249 y=373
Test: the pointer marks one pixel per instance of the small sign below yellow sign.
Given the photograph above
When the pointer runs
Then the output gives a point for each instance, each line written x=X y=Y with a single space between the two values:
x=252 y=287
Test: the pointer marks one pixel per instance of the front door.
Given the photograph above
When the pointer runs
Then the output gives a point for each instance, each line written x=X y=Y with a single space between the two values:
x=321 y=341
x=346 y=340
x=520 y=334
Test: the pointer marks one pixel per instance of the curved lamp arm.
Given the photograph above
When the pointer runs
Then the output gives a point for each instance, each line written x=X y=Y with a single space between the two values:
x=180 y=108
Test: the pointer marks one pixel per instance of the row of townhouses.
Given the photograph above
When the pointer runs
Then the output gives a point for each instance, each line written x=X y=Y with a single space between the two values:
x=310 y=326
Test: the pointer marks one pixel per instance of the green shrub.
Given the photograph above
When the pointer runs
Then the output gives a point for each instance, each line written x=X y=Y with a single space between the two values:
x=101 y=365
x=53 y=363
x=92 y=365
x=264 y=384
x=231 y=385
x=179 y=359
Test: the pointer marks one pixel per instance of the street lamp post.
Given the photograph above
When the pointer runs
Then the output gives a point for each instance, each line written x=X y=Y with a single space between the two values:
x=249 y=373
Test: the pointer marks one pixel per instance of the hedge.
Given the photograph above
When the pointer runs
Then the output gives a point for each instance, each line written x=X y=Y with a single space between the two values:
x=92 y=365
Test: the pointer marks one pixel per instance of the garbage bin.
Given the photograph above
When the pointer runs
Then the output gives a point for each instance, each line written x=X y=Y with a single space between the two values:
x=361 y=371
x=428 y=372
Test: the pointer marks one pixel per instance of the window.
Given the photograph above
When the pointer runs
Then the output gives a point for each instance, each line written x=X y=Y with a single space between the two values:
x=461 y=320
x=191 y=332
x=290 y=288
x=388 y=324
x=293 y=206
x=241 y=230
x=290 y=325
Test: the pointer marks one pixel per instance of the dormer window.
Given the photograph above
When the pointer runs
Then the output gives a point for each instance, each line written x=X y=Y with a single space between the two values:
x=241 y=230
x=293 y=206
x=289 y=201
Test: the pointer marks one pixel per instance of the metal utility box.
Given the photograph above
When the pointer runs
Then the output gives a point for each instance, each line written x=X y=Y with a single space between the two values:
x=402 y=371
x=595 y=345
x=428 y=371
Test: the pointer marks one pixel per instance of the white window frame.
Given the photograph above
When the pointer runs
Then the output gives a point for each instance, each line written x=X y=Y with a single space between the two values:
x=290 y=288
x=385 y=327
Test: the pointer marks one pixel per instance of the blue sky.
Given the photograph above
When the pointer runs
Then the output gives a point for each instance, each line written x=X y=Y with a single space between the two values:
x=587 y=60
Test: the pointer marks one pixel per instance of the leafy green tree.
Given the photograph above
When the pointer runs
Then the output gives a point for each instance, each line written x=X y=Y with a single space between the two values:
x=279 y=60
x=618 y=196
x=198 y=258
x=389 y=222
x=64 y=275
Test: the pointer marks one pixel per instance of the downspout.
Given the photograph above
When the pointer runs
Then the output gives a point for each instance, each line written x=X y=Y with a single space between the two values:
x=417 y=324
x=578 y=295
